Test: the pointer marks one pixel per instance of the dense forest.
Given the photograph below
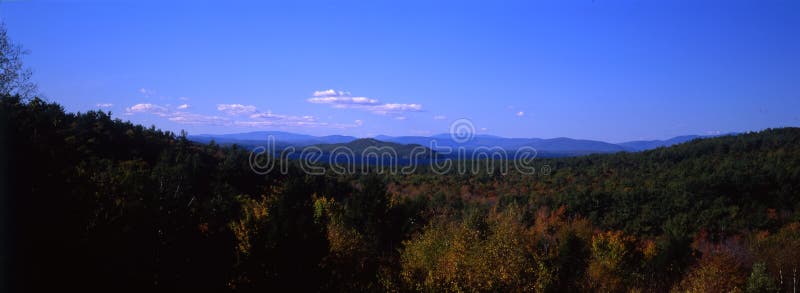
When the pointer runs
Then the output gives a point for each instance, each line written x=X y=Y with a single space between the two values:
x=92 y=203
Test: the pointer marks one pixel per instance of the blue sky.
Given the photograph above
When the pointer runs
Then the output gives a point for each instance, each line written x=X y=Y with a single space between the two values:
x=606 y=70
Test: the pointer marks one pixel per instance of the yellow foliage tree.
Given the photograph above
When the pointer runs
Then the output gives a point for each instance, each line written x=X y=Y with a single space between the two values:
x=454 y=257
x=613 y=257
x=718 y=271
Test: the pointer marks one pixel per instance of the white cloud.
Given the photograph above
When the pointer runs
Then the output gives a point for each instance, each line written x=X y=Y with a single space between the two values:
x=278 y=117
x=147 y=108
x=197 y=119
x=267 y=115
x=400 y=118
x=282 y=124
x=146 y=92
x=331 y=93
x=179 y=116
x=183 y=98
x=279 y=123
x=254 y=118
x=439 y=117
x=268 y=119
x=395 y=108
x=520 y=113
x=343 y=100
x=104 y=105
x=236 y=109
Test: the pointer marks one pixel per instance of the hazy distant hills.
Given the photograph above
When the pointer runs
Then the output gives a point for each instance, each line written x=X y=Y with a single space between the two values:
x=557 y=145
x=641 y=145
x=561 y=146
x=359 y=146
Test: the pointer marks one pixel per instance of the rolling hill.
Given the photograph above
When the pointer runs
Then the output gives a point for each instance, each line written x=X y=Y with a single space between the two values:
x=551 y=147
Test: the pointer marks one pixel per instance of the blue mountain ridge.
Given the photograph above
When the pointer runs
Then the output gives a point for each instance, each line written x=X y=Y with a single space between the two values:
x=560 y=146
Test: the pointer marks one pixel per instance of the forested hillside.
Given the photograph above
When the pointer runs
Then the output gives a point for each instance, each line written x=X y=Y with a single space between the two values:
x=97 y=204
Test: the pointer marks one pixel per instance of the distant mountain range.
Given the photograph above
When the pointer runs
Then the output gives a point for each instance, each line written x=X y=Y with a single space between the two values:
x=552 y=147
x=359 y=145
